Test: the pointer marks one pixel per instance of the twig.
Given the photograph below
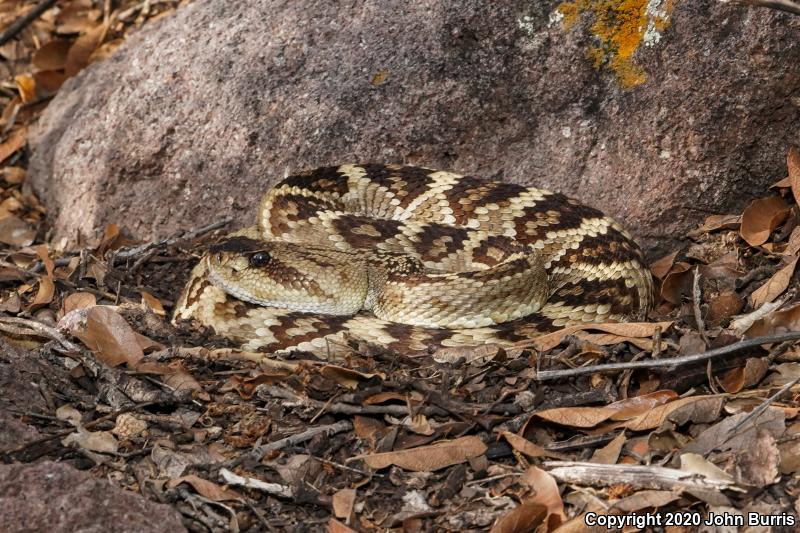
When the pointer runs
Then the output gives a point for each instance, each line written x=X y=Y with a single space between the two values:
x=15 y=326
x=257 y=453
x=755 y=413
x=251 y=483
x=698 y=314
x=545 y=375
x=23 y=22
x=636 y=476
x=781 y=5
x=143 y=249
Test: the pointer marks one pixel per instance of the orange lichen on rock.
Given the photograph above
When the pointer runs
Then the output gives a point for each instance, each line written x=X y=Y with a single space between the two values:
x=620 y=26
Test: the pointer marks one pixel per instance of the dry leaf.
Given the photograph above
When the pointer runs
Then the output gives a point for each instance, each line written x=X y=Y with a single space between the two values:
x=716 y=222
x=154 y=304
x=95 y=441
x=587 y=417
x=346 y=377
x=661 y=267
x=14 y=175
x=646 y=499
x=524 y=518
x=14 y=142
x=342 y=502
x=429 y=458
x=45 y=293
x=722 y=307
x=774 y=286
x=793 y=164
x=547 y=494
x=82 y=49
x=696 y=408
x=110 y=337
x=78 y=300
x=334 y=526
x=609 y=454
x=523 y=445
x=206 y=488
x=630 y=329
x=52 y=55
x=477 y=355
x=26 y=86
x=751 y=373
x=782 y=321
x=761 y=217
x=16 y=232
x=48 y=82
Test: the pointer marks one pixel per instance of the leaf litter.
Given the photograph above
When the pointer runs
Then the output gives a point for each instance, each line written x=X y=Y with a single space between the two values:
x=466 y=439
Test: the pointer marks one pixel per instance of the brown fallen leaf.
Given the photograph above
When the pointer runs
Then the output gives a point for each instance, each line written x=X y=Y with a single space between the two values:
x=523 y=445
x=342 y=503
x=429 y=458
x=587 y=417
x=334 y=526
x=347 y=377
x=524 y=518
x=748 y=375
x=207 y=489
x=630 y=329
x=154 y=304
x=14 y=142
x=77 y=300
x=716 y=222
x=95 y=441
x=110 y=337
x=609 y=454
x=13 y=175
x=793 y=165
x=26 y=86
x=761 y=217
x=677 y=283
x=82 y=49
x=45 y=293
x=696 y=408
x=781 y=321
x=52 y=55
x=645 y=499
x=774 y=286
x=661 y=267
x=546 y=494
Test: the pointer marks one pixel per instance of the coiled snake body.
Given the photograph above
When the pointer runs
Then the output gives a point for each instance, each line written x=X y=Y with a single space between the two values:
x=412 y=259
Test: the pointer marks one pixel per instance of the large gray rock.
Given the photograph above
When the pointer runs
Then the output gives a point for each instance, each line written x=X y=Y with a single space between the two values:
x=658 y=118
x=55 y=497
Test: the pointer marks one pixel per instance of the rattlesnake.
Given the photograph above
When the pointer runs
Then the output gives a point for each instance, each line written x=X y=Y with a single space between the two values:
x=413 y=259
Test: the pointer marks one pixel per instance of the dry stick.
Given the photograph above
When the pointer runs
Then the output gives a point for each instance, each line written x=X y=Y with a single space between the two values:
x=22 y=22
x=257 y=453
x=781 y=5
x=755 y=413
x=698 y=316
x=129 y=253
x=545 y=375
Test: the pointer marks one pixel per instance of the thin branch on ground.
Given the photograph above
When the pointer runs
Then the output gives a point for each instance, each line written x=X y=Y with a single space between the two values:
x=786 y=6
x=755 y=413
x=125 y=254
x=258 y=452
x=544 y=375
x=23 y=22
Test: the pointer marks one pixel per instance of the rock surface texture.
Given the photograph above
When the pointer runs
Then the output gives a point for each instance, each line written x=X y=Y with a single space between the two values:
x=657 y=112
x=52 y=496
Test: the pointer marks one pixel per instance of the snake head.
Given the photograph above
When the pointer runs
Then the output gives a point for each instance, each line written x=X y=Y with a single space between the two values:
x=291 y=276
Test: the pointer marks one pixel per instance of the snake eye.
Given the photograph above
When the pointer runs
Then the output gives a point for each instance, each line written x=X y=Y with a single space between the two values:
x=259 y=259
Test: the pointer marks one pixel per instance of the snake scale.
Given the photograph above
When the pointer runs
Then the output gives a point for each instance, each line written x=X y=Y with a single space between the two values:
x=412 y=259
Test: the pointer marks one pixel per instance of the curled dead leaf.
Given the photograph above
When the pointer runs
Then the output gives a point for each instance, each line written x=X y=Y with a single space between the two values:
x=110 y=337
x=761 y=217
x=793 y=165
x=775 y=285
